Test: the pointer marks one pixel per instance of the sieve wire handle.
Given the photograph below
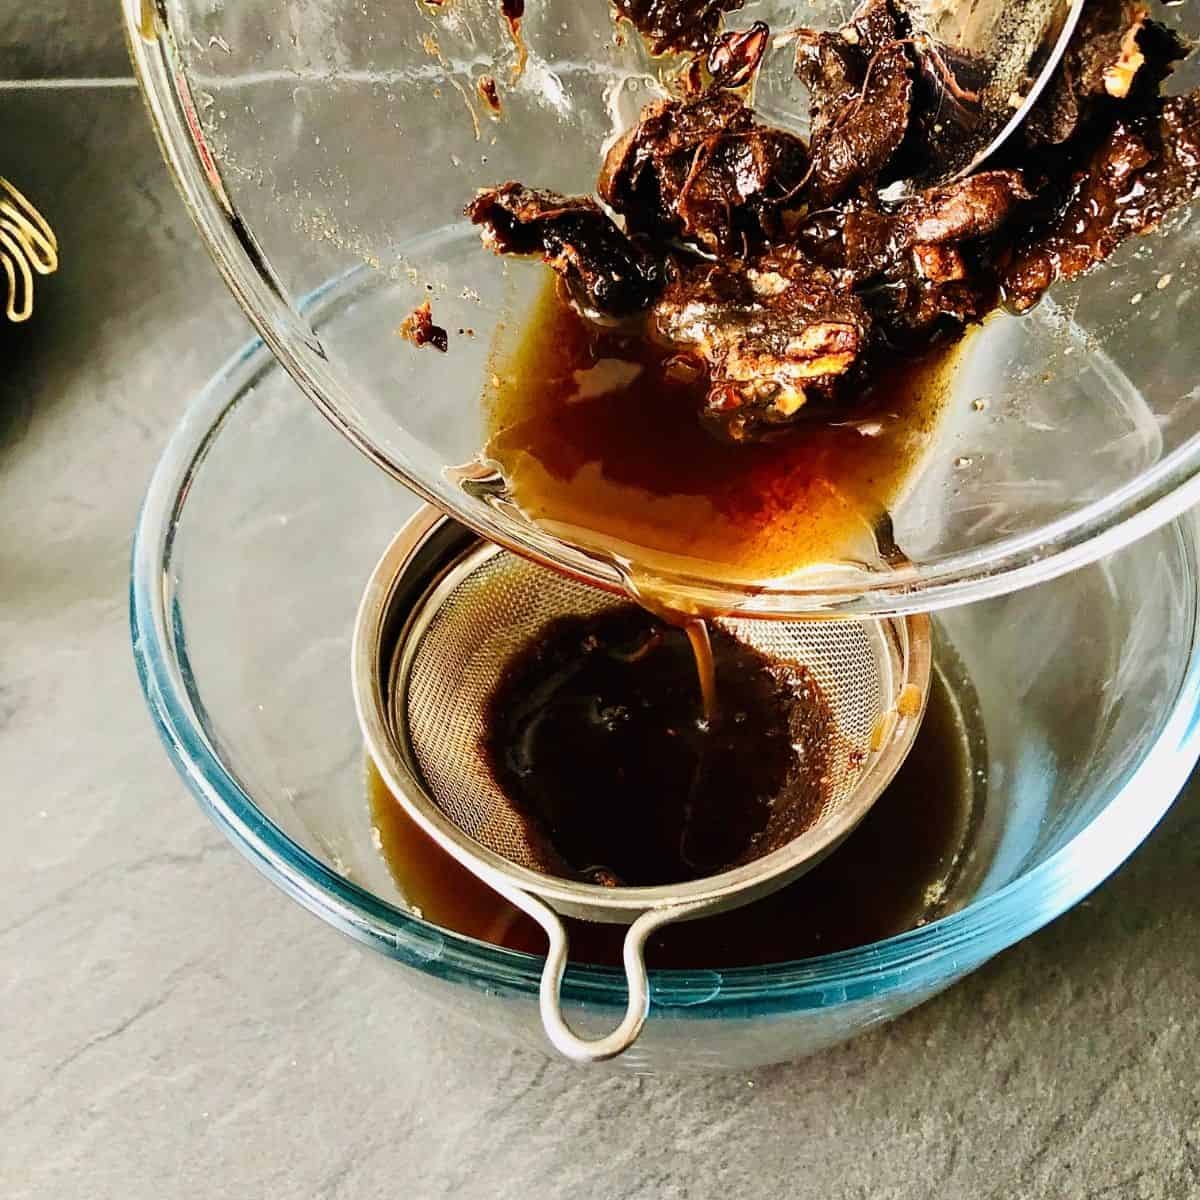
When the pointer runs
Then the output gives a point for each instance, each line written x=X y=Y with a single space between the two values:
x=565 y=1041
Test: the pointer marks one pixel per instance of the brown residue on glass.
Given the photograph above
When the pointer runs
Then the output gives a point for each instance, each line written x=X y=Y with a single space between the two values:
x=513 y=11
x=418 y=327
x=489 y=93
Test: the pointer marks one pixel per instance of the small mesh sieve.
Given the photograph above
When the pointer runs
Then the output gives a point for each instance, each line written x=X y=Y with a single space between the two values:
x=442 y=617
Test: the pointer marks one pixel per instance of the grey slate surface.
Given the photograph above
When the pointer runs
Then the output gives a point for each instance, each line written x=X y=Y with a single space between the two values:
x=170 y=1025
x=61 y=38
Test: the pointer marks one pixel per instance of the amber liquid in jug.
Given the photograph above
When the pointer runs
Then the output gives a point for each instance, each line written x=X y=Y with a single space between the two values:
x=598 y=437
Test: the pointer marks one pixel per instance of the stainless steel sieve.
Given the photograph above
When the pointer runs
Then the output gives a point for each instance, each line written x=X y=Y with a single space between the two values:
x=441 y=617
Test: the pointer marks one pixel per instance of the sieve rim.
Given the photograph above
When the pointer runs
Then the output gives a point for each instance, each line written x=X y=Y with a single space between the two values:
x=377 y=668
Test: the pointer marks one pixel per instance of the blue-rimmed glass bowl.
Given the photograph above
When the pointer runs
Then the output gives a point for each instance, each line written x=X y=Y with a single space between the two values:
x=258 y=534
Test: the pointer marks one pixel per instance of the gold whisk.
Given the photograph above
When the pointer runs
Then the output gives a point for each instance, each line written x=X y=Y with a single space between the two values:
x=27 y=246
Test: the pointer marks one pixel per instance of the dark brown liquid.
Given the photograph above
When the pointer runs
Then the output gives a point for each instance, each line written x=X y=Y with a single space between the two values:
x=600 y=441
x=597 y=734
x=887 y=877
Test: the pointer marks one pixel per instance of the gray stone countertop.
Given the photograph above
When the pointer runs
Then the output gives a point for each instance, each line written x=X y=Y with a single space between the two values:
x=174 y=1026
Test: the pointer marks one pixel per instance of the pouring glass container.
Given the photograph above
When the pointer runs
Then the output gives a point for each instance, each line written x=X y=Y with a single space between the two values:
x=319 y=140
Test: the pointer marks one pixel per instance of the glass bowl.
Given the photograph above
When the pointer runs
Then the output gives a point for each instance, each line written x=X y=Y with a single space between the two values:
x=259 y=532
x=317 y=138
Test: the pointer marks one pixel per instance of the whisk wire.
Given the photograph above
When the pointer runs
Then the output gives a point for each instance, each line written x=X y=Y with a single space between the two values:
x=28 y=246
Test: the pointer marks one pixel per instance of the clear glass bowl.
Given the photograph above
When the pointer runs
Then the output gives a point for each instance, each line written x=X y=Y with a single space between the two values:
x=312 y=138
x=258 y=534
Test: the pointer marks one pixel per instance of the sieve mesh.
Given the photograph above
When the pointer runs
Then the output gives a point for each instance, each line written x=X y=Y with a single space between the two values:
x=484 y=612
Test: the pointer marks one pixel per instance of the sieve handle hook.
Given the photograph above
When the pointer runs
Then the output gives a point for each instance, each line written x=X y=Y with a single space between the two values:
x=566 y=1041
